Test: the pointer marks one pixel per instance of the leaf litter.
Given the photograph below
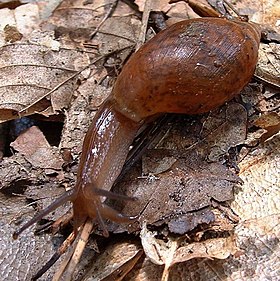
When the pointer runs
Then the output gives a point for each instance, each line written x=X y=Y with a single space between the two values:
x=182 y=179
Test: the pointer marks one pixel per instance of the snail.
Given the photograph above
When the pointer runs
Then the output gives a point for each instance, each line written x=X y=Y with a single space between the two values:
x=192 y=67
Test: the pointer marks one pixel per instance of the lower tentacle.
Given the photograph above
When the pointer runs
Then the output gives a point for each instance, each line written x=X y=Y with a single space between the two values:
x=115 y=216
x=67 y=196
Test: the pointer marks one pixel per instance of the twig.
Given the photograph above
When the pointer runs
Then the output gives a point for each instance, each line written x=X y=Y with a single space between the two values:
x=59 y=272
x=107 y=15
x=85 y=232
x=145 y=18
x=61 y=250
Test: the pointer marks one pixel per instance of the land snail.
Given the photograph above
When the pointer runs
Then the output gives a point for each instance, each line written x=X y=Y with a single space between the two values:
x=192 y=67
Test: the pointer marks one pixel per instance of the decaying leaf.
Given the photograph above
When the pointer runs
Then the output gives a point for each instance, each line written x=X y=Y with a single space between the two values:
x=189 y=186
x=268 y=68
x=260 y=172
x=186 y=223
x=190 y=181
x=35 y=78
x=231 y=130
x=14 y=170
x=270 y=122
x=26 y=252
x=219 y=248
x=115 y=262
x=170 y=251
x=176 y=250
x=12 y=34
x=36 y=149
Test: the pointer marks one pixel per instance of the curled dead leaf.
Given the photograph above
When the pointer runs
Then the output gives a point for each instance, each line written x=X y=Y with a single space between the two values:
x=170 y=251
x=115 y=261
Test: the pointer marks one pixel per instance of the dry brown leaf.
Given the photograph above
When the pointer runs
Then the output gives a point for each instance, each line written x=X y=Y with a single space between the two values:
x=186 y=180
x=29 y=72
x=264 y=11
x=268 y=67
x=118 y=33
x=270 y=122
x=231 y=130
x=12 y=34
x=180 y=11
x=78 y=18
x=219 y=248
x=36 y=149
x=114 y=263
x=17 y=258
x=170 y=251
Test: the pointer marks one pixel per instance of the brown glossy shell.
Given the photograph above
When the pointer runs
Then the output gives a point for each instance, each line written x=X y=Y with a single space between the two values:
x=191 y=67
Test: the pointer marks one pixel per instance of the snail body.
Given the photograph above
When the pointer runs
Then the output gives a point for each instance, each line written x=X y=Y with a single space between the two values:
x=192 y=67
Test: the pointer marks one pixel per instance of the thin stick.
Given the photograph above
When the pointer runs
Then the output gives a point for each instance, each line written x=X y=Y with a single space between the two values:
x=62 y=221
x=59 y=272
x=232 y=8
x=108 y=14
x=85 y=232
x=61 y=250
x=145 y=18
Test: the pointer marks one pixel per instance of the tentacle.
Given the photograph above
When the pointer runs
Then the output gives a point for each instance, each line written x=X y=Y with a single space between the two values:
x=67 y=196
x=115 y=216
x=112 y=195
x=98 y=206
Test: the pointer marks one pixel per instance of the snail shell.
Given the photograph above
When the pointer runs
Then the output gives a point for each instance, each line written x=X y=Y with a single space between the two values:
x=191 y=67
